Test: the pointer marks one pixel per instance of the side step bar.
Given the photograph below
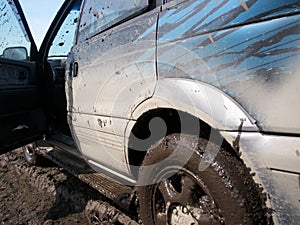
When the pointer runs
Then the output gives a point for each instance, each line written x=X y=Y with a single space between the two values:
x=122 y=195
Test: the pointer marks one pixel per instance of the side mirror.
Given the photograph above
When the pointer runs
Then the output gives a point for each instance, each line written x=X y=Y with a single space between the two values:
x=16 y=53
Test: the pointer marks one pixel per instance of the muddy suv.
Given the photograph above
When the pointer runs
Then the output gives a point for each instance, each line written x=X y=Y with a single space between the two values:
x=189 y=109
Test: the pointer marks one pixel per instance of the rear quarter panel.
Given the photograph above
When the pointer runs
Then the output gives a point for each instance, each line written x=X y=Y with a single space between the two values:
x=248 y=49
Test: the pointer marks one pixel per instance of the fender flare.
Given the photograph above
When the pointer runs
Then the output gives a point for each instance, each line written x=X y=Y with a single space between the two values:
x=199 y=99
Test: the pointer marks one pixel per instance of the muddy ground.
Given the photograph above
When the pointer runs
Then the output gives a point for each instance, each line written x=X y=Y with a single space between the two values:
x=49 y=195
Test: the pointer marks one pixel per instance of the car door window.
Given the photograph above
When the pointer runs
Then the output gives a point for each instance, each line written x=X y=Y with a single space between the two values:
x=64 y=39
x=62 y=43
x=98 y=15
x=15 y=44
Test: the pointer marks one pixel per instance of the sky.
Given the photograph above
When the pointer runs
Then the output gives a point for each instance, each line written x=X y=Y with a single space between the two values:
x=39 y=15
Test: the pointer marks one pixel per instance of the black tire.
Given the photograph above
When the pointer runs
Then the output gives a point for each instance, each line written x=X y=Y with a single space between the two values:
x=31 y=156
x=178 y=193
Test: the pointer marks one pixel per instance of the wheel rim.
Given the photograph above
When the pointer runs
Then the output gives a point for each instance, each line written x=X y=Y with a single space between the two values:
x=184 y=199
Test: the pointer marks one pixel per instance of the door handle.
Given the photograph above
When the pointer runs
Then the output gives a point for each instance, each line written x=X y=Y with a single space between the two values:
x=75 y=69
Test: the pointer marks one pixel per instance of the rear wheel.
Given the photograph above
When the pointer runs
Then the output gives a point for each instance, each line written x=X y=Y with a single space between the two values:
x=177 y=192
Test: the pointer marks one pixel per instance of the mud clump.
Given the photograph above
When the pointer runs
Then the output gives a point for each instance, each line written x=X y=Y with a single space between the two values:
x=49 y=195
x=102 y=213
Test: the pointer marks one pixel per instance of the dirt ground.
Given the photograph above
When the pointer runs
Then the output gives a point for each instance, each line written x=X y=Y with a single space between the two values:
x=49 y=195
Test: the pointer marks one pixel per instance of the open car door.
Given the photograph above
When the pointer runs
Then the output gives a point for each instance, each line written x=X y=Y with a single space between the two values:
x=22 y=118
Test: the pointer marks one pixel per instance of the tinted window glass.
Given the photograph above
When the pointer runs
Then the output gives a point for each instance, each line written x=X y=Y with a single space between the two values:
x=99 y=15
x=14 y=41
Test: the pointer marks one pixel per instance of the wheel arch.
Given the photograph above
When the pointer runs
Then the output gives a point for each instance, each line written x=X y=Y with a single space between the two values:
x=214 y=110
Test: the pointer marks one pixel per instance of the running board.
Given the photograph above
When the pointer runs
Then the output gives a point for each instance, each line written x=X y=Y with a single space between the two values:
x=120 y=194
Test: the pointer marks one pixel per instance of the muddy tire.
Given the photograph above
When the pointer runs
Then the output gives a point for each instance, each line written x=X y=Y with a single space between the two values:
x=177 y=192
x=31 y=156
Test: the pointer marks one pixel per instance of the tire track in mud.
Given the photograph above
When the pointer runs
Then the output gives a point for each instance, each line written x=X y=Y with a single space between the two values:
x=49 y=195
